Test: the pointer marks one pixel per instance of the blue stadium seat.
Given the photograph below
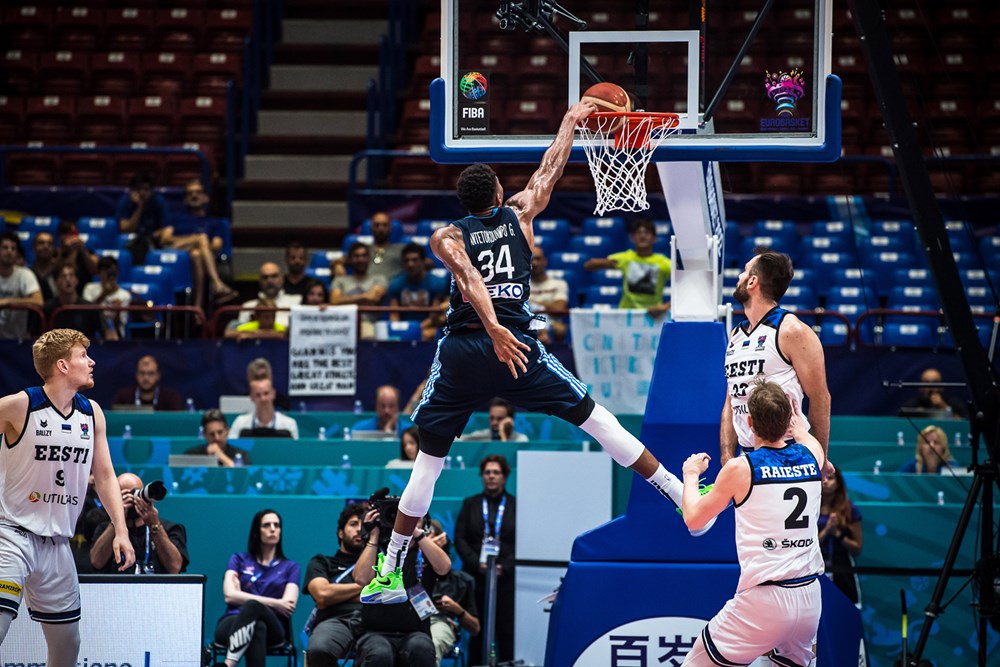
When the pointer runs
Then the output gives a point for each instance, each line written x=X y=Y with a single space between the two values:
x=911 y=278
x=850 y=277
x=124 y=258
x=612 y=228
x=146 y=292
x=550 y=226
x=350 y=239
x=823 y=262
x=664 y=229
x=833 y=332
x=395 y=233
x=612 y=277
x=322 y=274
x=835 y=228
x=894 y=228
x=731 y=276
x=887 y=244
x=966 y=260
x=853 y=293
x=103 y=231
x=848 y=308
x=813 y=244
x=786 y=230
x=801 y=294
x=593 y=246
x=961 y=242
x=551 y=243
x=912 y=295
x=799 y=310
x=125 y=239
x=442 y=273
x=989 y=247
x=320 y=259
x=927 y=307
x=975 y=278
x=179 y=263
x=158 y=276
x=776 y=243
x=909 y=335
x=885 y=264
x=603 y=294
x=806 y=277
x=40 y=223
x=567 y=260
x=980 y=296
x=428 y=227
x=573 y=283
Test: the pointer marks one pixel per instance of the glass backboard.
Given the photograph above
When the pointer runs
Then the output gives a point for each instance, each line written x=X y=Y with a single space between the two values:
x=510 y=69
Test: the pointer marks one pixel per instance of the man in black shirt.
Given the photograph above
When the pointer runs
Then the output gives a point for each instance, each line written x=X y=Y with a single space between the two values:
x=328 y=580
x=217 y=434
x=89 y=322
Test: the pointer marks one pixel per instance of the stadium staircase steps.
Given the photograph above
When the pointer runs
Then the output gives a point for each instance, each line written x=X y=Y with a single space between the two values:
x=312 y=120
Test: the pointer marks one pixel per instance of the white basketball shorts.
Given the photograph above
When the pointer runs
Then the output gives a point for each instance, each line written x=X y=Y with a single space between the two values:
x=42 y=569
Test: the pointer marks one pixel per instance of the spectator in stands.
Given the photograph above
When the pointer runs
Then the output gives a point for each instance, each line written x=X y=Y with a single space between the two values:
x=217 y=435
x=315 y=293
x=107 y=292
x=18 y=286
x=933 y=401
x=191 y=230
x=260 y=369
x=359 y=287
x=409 y=445
x=328 y=580
x=73 y=251
x=147 y=389
x=143 y=212
x=263 y=325
x=261 y=589
x=44 y=267
x=501 y=425
x=264 y=421
x=296 y=261
x=90 y=322
x=416 y=287
x=160 y=545
x=454 y=597
x=387 y=258
x=840 y=535
x=547 y=294
x=272 y=286
x=387 y=418
x=486 y=525
x=645 y=272
x=394 y=634
x=933 y=456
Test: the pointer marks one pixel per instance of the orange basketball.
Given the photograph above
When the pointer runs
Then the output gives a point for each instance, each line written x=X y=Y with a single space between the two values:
x=607 y=97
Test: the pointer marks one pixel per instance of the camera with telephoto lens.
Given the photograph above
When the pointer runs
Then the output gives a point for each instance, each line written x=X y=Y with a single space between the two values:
x=155 y=490
x=387 y=507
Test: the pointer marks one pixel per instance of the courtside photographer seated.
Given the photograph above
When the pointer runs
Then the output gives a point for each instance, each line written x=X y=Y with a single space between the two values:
x=398 y=635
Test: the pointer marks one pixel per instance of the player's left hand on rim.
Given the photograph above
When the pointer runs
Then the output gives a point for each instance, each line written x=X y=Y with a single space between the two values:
x=696 y=464
x=510 y=350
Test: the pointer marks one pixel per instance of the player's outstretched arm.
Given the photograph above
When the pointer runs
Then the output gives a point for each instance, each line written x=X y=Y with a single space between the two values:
x=535 y=197
x=449 y=245
x=109 y=492
x=802 y=347
x=733 y=482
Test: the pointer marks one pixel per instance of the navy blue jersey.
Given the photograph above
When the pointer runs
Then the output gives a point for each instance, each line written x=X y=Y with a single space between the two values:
x=497 y=247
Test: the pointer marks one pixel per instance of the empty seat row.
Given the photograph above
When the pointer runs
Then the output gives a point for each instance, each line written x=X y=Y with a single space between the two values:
x=99 y=169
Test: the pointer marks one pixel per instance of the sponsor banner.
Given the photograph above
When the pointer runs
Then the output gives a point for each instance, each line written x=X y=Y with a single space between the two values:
x=614 y=351
x=322 y=351
x=650 y=641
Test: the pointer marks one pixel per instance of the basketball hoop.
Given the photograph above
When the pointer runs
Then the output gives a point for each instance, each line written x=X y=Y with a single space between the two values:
x=619 y=147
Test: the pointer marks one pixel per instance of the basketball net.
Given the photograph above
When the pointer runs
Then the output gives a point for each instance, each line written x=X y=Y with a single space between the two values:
x=619 y=147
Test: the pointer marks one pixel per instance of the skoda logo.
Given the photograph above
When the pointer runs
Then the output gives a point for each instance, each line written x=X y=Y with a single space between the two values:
x=770 y=544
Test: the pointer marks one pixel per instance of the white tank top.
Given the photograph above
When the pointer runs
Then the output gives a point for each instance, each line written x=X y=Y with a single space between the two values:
x=751 y=354
x=44 y=473
x=776 y=533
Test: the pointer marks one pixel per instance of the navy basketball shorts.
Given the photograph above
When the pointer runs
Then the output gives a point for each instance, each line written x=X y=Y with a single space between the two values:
x=466 y=374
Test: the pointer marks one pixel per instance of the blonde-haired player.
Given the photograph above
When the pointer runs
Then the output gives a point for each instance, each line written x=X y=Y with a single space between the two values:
x=52 y=437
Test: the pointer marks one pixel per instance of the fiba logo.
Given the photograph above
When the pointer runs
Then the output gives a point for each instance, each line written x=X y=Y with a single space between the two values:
x=34 y=496
x=770 y=544
x=473 y=85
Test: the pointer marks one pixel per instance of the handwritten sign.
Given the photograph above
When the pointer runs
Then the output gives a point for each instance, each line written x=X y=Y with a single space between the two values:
x=322 y=351
x=614 y=351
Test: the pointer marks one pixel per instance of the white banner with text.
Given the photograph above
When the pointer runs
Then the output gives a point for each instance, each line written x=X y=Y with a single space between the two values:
x=322 y=351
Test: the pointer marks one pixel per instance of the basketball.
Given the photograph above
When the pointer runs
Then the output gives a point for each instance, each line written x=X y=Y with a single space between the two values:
x=608 y=97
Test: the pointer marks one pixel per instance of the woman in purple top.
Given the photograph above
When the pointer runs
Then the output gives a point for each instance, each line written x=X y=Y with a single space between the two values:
x=261 y=588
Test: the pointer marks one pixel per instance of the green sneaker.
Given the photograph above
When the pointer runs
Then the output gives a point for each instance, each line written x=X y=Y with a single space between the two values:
x=384 y=590
x=702 y=489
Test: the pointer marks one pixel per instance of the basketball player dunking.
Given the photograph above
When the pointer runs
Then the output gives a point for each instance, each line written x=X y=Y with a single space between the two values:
x=491 y=347
x=776 y=489
x=51 y=438
x=772 y=344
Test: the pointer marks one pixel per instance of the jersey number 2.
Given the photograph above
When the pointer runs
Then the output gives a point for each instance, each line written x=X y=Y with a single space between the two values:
x=795 y=519
x=503 y=263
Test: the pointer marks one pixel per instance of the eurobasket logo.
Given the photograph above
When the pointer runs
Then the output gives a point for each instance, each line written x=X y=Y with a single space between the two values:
x=473 y=85
x=785 y=89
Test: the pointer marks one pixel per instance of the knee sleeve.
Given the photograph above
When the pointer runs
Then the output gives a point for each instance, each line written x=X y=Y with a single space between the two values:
x=419 y=491
x=63 y=641
x=623 y=447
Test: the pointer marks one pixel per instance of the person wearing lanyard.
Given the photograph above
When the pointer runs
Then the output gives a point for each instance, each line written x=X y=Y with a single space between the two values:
x=160 y=546
x=484 y=527
x=334 y=623
x=261 y=588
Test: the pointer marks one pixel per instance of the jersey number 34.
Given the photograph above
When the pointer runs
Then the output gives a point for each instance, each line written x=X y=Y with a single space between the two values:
x=503 y=264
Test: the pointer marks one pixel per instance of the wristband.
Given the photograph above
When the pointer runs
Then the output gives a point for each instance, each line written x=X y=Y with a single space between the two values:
x=155 y=528
x=372 y=544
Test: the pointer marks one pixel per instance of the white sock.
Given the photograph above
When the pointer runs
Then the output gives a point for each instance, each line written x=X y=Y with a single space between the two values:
x=395 y=554
x=667 y=484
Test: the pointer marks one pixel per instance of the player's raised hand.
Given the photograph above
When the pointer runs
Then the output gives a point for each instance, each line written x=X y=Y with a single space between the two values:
x=696 y=464
x=581 y=110
x=509 y=350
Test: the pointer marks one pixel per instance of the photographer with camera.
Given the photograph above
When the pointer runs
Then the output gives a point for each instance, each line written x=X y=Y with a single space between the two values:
x=398 y=635
x=160 y=546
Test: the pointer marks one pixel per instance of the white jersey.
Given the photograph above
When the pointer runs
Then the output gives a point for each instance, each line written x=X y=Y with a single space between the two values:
x=776 y=533
x=44 y=473
x=753 y=353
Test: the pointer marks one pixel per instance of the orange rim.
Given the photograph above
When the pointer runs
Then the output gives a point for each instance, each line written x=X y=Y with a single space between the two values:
x=636 y=127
